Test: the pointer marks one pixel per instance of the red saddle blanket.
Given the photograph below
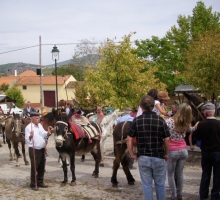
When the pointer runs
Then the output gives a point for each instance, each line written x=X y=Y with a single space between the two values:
x=77 y=130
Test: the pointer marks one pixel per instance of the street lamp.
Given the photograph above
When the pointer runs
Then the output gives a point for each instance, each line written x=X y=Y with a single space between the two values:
x=55 y=56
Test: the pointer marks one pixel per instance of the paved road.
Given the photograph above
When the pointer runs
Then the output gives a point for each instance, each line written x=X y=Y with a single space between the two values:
x=14 y=181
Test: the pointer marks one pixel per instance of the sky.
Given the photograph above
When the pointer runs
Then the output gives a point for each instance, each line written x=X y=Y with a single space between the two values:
x=68 y=22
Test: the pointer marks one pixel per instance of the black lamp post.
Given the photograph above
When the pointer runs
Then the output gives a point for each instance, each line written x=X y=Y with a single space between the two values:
x=55 y=56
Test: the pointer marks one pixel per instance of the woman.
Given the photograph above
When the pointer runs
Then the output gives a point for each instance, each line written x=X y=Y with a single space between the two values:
x=160 y=99
x=178 y=125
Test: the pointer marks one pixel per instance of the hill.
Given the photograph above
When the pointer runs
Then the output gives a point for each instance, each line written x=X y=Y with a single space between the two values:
x=21 y=67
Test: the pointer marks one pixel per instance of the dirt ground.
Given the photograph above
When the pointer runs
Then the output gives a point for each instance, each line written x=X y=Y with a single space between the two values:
x=14 y=181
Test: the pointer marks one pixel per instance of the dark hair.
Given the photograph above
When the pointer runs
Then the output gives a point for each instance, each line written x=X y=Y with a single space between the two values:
x=147 y=103
x=153 y=93
x=79 y=111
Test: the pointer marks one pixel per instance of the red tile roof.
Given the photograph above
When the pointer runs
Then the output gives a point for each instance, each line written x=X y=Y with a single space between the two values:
x=46 y=80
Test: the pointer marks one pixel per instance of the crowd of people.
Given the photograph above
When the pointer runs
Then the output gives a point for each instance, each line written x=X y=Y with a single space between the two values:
x=161 y=148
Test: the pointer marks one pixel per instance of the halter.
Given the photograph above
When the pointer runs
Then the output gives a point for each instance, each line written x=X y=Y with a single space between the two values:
x=66 y=132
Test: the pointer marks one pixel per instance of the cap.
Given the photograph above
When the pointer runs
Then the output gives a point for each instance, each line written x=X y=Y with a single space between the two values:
x=28 y=102
x=33 y=114
x=208 y=106
x=163 y=95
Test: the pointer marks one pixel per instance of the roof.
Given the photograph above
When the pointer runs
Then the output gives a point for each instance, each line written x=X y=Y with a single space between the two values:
x=6 y=99
x=46 y=80
x=28 y=73
x=8 y=79
x=186 y=88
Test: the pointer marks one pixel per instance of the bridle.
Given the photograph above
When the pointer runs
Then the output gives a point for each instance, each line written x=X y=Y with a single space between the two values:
x=198 y=109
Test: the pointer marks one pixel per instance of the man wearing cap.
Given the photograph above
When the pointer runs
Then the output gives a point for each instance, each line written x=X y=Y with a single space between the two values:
x=35 y=137
x=208 y=132
x=127 y=116
x=28 y=109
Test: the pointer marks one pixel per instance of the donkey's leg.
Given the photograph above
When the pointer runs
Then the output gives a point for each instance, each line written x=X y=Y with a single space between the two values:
x=3 y=133
x=23 y=152
x=96 y=153
x=65 y=170
x=9 y=146
x=102 y=147
x=125 y=164
x=15 y=145
x=83 y=158
x=72 y=167
x=116 y=164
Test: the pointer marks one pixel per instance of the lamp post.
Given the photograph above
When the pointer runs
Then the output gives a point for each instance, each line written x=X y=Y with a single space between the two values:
x=55 y=56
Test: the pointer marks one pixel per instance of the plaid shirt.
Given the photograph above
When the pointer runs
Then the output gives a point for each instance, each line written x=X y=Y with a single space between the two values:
x=150 y=131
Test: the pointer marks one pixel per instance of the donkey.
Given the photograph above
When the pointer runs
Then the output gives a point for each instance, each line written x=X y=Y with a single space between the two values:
x=14 y=126
x=121 y=152
x=107 y=124
x=196 y=103
x=67 y=145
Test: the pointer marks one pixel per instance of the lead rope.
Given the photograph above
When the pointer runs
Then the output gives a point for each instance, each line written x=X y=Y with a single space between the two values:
x=35 y=170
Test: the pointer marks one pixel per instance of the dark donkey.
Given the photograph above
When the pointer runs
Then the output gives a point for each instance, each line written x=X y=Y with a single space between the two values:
x=121 y=152
x=66 y=144
x=196 y=103
x=14 y=126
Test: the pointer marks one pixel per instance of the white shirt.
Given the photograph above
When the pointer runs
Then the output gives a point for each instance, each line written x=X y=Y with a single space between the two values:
x=39 y=136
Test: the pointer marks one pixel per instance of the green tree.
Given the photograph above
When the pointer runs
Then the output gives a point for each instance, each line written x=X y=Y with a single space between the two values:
x=77 y=71
x=203 y=64
x=169 y=52
x=121 y=79
x=4 y=87
x=15 y=93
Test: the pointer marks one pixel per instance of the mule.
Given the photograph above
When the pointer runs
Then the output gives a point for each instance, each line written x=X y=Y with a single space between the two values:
x=107 y=124
x=67 y=145
x=121 y=152
x=195 y=103
x=14 y=126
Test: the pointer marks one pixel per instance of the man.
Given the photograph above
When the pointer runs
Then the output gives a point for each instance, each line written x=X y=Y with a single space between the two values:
x=27 y=110
x=35 y=137
x=152 y=136
x=67 y=108
x=99 y=117
x=174 y=108
x=208 y=132
x=127 y=116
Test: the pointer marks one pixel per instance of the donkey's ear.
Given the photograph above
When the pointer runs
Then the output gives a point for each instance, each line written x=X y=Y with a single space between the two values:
x=186 y=95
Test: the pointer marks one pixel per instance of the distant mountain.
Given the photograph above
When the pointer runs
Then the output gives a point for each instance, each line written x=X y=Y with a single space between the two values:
x=21 y=67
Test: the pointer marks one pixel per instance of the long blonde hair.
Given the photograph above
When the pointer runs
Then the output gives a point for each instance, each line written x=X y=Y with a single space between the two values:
x=183 y=118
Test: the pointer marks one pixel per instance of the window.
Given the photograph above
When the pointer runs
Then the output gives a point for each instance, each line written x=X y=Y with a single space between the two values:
x=24 y=87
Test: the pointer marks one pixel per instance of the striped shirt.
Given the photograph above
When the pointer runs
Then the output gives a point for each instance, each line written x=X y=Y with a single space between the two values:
x=150 y=131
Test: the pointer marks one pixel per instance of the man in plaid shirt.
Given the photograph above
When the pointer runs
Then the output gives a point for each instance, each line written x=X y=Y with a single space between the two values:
x=152 y=136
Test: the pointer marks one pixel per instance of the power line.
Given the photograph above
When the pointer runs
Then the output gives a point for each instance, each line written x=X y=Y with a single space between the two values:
x=75 y=43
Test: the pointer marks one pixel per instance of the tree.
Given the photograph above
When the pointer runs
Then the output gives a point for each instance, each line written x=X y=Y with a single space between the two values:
x=15 y=93
x=169 y=52
x=89 y=49
x=121 y=79
x=77 y=71
x=4 y=87
x=203 y=64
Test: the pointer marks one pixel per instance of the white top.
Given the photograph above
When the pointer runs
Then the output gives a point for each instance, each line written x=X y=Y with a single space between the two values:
x=39 y=136
x=139 y=112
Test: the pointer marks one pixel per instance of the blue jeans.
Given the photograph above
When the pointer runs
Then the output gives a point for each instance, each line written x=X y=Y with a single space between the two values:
x=152 y=168
x=175 y=165
x=210 y=161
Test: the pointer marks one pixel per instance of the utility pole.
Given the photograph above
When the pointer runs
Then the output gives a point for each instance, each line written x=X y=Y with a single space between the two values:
x=41 y=96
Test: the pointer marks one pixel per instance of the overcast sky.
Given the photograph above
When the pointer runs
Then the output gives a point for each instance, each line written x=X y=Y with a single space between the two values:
x=69 y=21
